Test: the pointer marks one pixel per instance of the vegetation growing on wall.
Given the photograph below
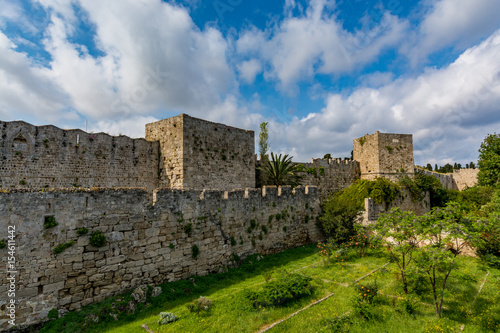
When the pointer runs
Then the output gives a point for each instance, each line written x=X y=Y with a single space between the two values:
x=97 y=239
x=61 y=247
x=49 y=222
x=342 y=210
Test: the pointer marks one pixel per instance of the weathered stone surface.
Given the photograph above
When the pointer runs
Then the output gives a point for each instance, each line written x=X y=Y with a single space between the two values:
x=384 y=155
x=84 y=274
x=201 y=154
x=49 y=157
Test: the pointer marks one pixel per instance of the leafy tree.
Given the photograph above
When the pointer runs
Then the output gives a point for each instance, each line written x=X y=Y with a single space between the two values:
x=446 y=233
x=341 y=213
x=488 y=246
x=429 y=167
x=402 y=233
x=447 y=168
x=489 y=160
x=436 y=167
x=263 y=140
x=281 y=170
x=327 y=156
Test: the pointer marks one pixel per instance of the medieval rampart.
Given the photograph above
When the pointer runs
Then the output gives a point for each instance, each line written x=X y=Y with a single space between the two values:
x=201 y=154
x=458 y=180
x=330 y=175
x=404 y=201
x=149 y=240
x=49 y=157
x=385 y=155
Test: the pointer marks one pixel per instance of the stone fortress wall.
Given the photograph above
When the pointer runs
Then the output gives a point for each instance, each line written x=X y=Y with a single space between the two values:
x=149 y=240
x=330 y=175
x=458 y=180
x=385 y=155
x=202 y=154
x=49 y=157
x=185 y=171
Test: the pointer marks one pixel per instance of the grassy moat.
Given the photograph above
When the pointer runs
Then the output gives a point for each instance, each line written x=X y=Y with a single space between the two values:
x=471 y=300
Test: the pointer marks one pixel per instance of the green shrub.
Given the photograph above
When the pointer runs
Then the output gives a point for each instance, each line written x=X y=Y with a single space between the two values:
x=367 y=292
x=53 y=314
x=195 y=251
x=287 y=287
x=167 y=318
x=264 y=228
x=363 y=309
x=3 y=243
x=253 y=224
x=342 y=210
x=82 y=231
x=362 y=240
x=340 y=214
x=97 y=239
x=364 y=299
x=488 y=246
x=201 y=304
x=171 y=245
x=188 y=228
x=233 y=241
x=61 y=247
x=49 y=222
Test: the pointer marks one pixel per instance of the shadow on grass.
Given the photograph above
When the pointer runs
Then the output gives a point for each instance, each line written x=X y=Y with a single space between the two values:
x=174 y=293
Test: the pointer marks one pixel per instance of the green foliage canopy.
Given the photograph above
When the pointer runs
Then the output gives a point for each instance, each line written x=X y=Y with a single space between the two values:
x=281 y=170
x=489 y=160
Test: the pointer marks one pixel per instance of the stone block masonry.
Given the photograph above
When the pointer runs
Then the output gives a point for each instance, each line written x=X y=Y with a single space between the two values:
x=149 y=238
x=460 y=179
x=330 y=175
x=384 y=155
x=403 y=200
x=200 y=154
x=49 y=157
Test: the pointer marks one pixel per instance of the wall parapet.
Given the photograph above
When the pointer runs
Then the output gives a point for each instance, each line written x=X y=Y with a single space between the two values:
x=330 y=175
x=50 y=157
x=460 y=179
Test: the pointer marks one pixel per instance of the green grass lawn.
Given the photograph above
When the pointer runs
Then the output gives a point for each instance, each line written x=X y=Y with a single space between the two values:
x=467 y=309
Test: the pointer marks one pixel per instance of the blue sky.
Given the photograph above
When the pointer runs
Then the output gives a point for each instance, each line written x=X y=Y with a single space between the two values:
x=321 y=72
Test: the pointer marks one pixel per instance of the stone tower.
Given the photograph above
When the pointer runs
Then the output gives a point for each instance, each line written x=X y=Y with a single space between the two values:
x=385 y=155
x=198 y=154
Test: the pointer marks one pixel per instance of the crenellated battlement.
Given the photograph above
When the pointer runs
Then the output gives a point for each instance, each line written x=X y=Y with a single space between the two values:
x=42 y=157
x=149 y=237
x=330 y=175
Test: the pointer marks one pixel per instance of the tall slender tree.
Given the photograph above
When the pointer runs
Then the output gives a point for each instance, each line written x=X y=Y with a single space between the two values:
x=263 y=140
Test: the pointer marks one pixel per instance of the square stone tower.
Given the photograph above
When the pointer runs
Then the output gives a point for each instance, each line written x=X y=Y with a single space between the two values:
x=198 y=154
x=385 y=155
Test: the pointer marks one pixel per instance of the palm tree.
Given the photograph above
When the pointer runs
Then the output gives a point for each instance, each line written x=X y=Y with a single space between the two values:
x=281 y=171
